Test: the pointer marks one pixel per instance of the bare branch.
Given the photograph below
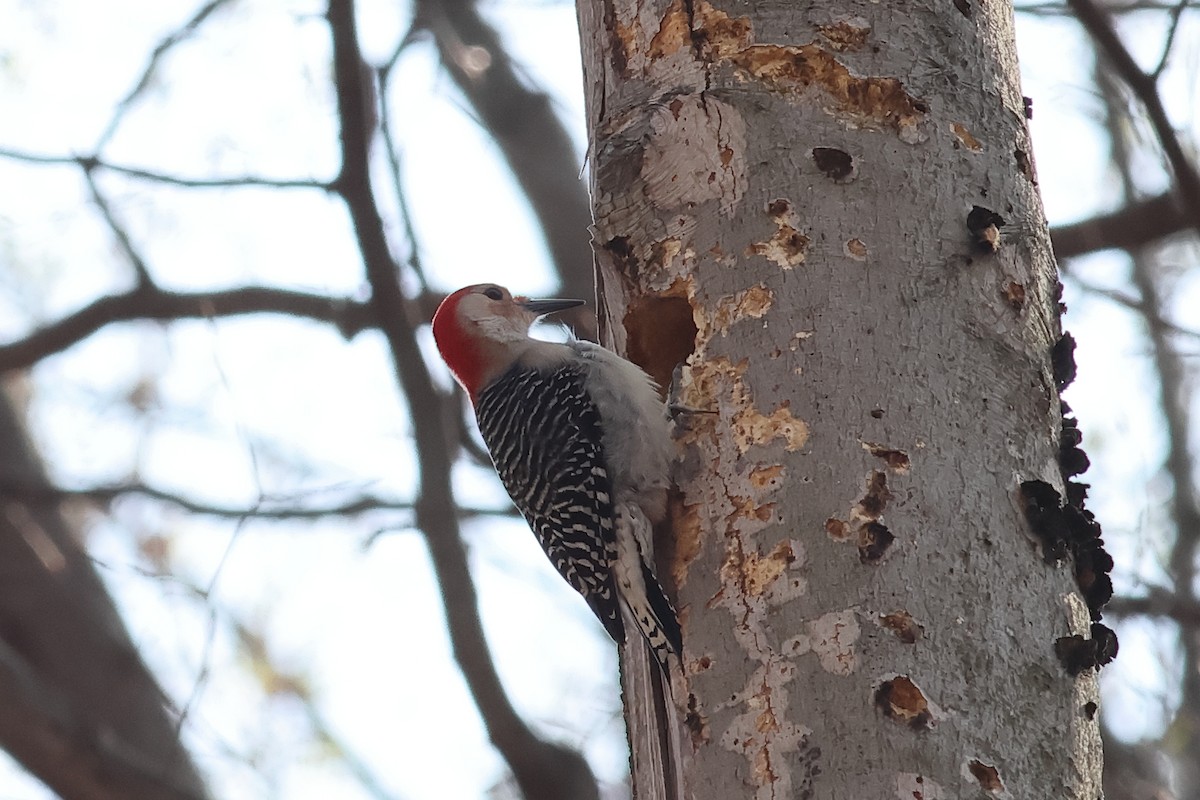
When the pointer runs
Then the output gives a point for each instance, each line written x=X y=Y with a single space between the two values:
x=275 y=680
x=1168 y=45
x=1098 y=25
x=1179 y=465
x=151 y=303
x=1157 y=604
x=42 y=494
x=104 y=495
x=542 y=769
x=93 y=162
x=1136 y=225
x=1172 y=376
x=1058 y=8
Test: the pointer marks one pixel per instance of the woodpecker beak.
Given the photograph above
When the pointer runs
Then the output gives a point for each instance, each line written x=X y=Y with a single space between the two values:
x=547 y=306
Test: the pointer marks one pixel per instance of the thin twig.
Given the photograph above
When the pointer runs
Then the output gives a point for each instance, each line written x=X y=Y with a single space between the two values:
x=298 y=687
x=93 y=162
x=140 y=268
x=1132 y=303
x=180 y=34
x=274 y=679
x=1176 y=16
x=267 y=509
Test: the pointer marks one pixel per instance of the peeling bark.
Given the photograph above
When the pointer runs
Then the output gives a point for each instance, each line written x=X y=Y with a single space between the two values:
x=810 y=222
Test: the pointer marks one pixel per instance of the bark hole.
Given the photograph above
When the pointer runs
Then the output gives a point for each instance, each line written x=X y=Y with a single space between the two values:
x=987 y=775
x=874 y=539
x=838 y=165
x=897 y=460
x=1014 y=293
x=623 y=256
x=901 y=623
x=661 y=335
x=984 y=224
x=901 y=700
x=876 y=499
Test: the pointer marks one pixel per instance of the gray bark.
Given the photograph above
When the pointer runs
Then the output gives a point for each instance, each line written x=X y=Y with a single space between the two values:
x=782 y=195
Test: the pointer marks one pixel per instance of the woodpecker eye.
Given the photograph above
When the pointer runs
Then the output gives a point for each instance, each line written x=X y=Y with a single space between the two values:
x=492 y=293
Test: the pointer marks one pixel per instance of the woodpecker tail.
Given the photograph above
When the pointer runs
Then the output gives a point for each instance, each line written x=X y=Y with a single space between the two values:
x=643 y=595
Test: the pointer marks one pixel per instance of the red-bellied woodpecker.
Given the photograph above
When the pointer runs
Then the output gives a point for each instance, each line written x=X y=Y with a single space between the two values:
x=582 y=443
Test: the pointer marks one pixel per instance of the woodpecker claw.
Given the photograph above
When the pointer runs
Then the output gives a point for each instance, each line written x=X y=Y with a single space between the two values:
x=676 y=409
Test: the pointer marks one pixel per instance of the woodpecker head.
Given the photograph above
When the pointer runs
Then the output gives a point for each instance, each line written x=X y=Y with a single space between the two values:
x=482 y=330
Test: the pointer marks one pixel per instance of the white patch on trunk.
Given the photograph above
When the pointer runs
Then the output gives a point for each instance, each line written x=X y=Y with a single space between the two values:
x=696 y=153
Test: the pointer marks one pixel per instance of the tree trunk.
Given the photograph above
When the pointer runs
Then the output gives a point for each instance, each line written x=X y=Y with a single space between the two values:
x=78 y=708
x=828 y=216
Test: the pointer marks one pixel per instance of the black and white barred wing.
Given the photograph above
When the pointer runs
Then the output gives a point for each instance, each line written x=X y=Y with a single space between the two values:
x=544 y=436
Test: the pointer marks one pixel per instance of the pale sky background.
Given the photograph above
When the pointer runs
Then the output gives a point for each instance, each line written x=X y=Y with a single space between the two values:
x=277 y=409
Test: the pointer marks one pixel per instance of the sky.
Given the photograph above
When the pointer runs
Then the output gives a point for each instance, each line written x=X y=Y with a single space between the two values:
x=270 y=410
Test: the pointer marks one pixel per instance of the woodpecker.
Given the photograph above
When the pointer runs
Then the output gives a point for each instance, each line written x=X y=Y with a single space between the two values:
x=582 y=443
